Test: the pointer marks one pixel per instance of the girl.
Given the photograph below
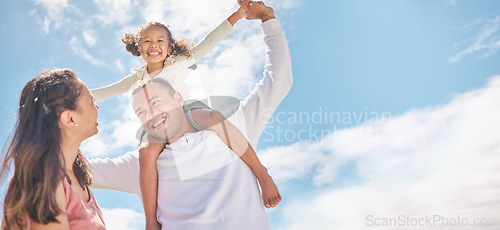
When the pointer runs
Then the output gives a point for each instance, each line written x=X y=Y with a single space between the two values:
x=168 y=59
x=50 y=186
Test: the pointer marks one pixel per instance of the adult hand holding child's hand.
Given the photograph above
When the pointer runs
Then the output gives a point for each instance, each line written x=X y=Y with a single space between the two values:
x=257 y=10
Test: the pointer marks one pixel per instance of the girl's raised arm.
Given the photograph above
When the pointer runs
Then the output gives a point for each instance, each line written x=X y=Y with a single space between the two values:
x=114 y=89
x=216 y=36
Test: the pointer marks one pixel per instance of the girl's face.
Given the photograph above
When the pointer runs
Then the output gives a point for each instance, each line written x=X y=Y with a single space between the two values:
x=87 y=113
x=154 y=45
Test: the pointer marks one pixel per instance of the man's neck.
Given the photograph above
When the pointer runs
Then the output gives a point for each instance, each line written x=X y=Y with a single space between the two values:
x=186 y=128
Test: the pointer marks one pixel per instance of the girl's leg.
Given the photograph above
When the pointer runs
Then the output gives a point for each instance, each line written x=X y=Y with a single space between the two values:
x=235 y=140
x=149 y=182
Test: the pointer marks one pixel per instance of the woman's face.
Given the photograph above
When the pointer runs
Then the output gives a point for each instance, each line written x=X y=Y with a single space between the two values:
x=154 y=44
x=87 y=112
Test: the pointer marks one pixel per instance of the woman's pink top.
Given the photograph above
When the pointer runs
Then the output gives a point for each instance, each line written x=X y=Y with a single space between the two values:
x=82 y=214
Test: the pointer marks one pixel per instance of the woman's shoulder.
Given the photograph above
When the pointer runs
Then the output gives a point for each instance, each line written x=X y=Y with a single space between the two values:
x=62 y=218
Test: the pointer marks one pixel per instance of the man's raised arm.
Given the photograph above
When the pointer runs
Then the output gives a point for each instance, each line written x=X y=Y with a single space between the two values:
x=258 y=107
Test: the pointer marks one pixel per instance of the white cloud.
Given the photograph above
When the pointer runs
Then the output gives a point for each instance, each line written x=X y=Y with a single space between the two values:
x=55 y=12
x=119 y=65
x=190 y=17
x=435 y=161
x=115 y=11
x=230 y=69
x=94 y=146
x=485 y=43
x=116 y=136
x=123 y=219
x=452 y=2
x=77 y=47
x=89 y=37
x=194 y=18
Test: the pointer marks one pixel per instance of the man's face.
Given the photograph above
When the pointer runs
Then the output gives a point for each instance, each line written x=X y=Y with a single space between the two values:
x=159 y=112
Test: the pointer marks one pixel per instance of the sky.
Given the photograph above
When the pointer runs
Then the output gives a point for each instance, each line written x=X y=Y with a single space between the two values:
x=391 y=122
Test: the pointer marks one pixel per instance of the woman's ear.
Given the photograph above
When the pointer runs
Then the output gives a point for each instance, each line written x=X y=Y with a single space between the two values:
x=66 y=119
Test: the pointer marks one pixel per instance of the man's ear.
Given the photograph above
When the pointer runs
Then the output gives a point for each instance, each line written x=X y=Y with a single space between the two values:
x=66 y=119
x=178 y=98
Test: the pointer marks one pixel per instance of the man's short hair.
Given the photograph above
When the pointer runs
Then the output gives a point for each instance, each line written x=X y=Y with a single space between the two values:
x=162 y=81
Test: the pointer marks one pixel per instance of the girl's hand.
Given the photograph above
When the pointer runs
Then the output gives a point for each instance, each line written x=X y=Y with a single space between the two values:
x=239 y=14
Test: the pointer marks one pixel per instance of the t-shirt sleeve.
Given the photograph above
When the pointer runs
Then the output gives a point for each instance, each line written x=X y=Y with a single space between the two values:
x=121 y=173
x=258 y=107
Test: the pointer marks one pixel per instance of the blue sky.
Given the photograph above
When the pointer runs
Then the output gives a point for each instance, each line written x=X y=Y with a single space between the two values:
x=430 y=68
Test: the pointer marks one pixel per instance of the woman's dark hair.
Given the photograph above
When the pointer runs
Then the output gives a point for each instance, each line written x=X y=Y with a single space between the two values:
x=35 y=149
x=179 y=47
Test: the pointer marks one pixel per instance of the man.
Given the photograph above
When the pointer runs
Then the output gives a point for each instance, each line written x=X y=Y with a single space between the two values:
x=201 y=185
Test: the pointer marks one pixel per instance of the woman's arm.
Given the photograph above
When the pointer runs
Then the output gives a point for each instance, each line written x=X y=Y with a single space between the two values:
x=62 y=217
x=3 y=223
x=216 y=36
x=115 y=89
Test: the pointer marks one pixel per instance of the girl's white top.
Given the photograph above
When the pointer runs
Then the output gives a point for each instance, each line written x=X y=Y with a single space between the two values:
x=173 y=71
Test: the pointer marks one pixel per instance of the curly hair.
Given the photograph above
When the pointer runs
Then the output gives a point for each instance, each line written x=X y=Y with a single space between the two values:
x=179 y=47
x=35 y=149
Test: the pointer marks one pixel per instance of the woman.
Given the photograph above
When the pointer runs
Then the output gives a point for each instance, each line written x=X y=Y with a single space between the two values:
x=50 y=186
